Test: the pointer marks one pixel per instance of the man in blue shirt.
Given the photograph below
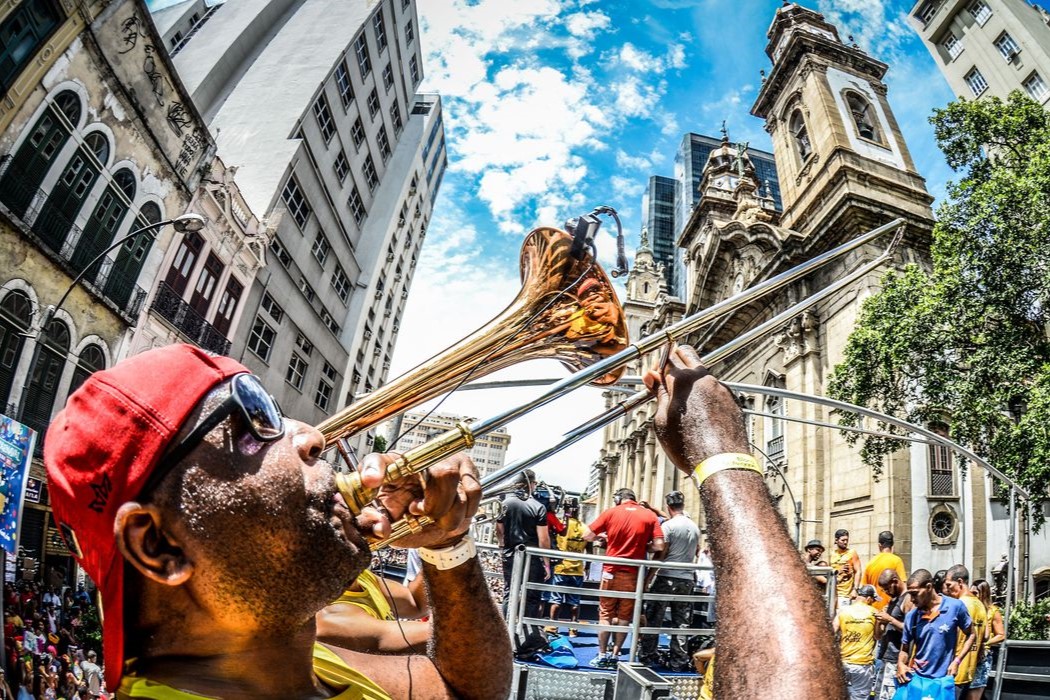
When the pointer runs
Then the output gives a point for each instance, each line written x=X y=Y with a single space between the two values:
x=931 y=631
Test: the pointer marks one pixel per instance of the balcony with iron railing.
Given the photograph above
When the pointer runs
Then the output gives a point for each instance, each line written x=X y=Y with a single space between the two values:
x=170 y=306
x=44 y=227
x=775 y=450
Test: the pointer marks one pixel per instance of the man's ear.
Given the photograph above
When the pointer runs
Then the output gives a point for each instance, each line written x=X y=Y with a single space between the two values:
x=149 y=546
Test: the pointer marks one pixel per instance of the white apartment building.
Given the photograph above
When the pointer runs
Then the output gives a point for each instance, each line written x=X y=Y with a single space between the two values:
x=314 y=103
x=489 y=451
x=987 y=47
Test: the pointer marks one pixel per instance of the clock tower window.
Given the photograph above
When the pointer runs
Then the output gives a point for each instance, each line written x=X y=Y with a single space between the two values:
x=797 y=125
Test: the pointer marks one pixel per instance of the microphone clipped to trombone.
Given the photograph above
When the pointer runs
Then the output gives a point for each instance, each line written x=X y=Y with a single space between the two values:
x=568 y=310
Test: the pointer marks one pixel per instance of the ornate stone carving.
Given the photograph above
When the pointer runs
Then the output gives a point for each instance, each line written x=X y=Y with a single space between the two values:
x=799 y=337
x=810 y=164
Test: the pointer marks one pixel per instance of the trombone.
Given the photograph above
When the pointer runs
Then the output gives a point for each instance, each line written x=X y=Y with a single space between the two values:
x=462 y=435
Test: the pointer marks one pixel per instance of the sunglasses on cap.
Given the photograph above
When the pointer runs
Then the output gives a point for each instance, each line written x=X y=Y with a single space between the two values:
x=257 y=408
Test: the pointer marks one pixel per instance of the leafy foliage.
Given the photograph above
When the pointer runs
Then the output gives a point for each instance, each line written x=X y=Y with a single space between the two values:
x=1031 y=621
x=965 y=341
x=379 y=444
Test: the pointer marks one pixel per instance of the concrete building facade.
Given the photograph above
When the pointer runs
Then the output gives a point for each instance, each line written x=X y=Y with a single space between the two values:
x=987 y=47
x=489 y=451
x=99 y=143
x=336 y=139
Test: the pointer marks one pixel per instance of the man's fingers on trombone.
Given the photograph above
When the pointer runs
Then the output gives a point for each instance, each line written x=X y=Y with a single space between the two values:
x=373 y=468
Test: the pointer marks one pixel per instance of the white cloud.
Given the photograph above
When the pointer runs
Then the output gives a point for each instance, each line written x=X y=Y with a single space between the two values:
x=636 y=59
x=583 y=24
x=625 y=160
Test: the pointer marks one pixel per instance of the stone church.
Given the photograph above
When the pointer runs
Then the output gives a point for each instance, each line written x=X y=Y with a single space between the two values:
x=844 y=169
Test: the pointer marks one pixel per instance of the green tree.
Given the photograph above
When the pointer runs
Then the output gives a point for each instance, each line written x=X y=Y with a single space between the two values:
x=379 y=444
x=965 y=340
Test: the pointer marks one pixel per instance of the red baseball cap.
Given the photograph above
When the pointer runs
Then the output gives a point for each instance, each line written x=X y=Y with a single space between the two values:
x=100 y=450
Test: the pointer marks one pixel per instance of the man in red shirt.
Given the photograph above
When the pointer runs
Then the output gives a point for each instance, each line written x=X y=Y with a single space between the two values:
x=632 y=531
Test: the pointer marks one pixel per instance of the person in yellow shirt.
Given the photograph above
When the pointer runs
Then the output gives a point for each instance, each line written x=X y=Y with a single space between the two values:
x=377 y=615
x=846 y=563
x=855 y=624
x=995 y=632
x=569 y=572
x=885 y=559
x=704 y=661
x=957 y=585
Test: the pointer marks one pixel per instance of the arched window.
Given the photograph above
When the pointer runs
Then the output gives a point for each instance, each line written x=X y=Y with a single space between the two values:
x=43 y=382
x=797 y=126
x=16 y=311
x=121 y=280
x=102 y=226
x=864 y=118
x=37 y=153
x=67 y=196
x=91 y=360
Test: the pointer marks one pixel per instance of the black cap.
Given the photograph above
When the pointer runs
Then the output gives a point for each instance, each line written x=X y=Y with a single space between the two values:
x=814 y=543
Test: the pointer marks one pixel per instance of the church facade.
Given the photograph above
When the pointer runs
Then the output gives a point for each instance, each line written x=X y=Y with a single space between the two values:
x=844 y=169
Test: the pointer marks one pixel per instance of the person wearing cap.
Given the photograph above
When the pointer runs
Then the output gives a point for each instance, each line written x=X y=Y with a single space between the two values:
x=632 y=531
x=215 y=533
x=681 y=545
x=814 y=556
x=855 y=624
x=773 y=636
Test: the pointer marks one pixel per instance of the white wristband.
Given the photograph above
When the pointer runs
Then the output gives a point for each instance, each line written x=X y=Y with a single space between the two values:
x=450 y=557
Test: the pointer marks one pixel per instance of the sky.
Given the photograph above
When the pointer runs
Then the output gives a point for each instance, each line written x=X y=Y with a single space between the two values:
x=553 y=107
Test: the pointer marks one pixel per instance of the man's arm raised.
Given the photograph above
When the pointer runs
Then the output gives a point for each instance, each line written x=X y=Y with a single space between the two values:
x=698 y=418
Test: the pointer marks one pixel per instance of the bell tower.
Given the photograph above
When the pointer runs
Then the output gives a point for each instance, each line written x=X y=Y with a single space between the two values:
x=645 y=282
x=841 y=159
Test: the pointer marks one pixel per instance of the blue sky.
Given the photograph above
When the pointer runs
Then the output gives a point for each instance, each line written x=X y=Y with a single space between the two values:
x=555 y=106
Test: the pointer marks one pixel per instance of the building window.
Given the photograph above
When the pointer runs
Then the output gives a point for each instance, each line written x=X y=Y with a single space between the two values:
x=320 y=249
x=388 y=78
x=297 y=367
x=342 y=167
x=384 y=143
x=413 y=69
x=980 y=11
x=357 y=133
x=797 y=125
x=863 y=116
x=306 y=289
x=341 y=284
x=280 y=253
x=260 y=341
x=342 y=82
x=953 y=45
x=410 y=33
x=296 y=202
x=324 y=118
x=1007 y=47
x=380 y=31
x=228 y=305
x=1035 y=87
x=364 y=63
x=327 y=320
x=272 y=307
x=304 y=344
x=942 y=470
x=357 y=205
x=22 y=33
x=395 y=118
x=976 y=82
x=927 y=11
x=371 y=179
x=324 y=395
x=373 y=103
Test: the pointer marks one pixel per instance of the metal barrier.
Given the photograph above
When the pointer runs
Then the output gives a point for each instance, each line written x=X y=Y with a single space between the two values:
x=516 y=596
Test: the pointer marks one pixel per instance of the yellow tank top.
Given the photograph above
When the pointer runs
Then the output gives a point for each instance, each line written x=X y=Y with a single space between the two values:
x=707 y=689
x=328 y=667
x=371 y=599
x=571 y=541
x=988 y=628
x=857 y=634
x=842 y=563
x=979 y=617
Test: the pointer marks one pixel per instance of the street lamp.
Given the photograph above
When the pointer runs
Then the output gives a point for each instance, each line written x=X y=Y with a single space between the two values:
x=183 y=224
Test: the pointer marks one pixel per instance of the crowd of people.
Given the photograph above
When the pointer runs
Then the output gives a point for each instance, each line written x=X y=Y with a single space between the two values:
x=46 y=651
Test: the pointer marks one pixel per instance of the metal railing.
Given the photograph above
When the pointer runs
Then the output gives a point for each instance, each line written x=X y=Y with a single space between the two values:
x=520 y=585
x=185 y=319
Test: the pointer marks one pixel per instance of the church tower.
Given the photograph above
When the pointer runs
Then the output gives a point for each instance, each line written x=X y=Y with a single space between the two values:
x=841 y=159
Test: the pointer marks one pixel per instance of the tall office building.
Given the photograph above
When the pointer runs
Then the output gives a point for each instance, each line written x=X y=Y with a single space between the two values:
x=489 y=451
x=987 y=47
x=658 y=209
x=315 y=103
